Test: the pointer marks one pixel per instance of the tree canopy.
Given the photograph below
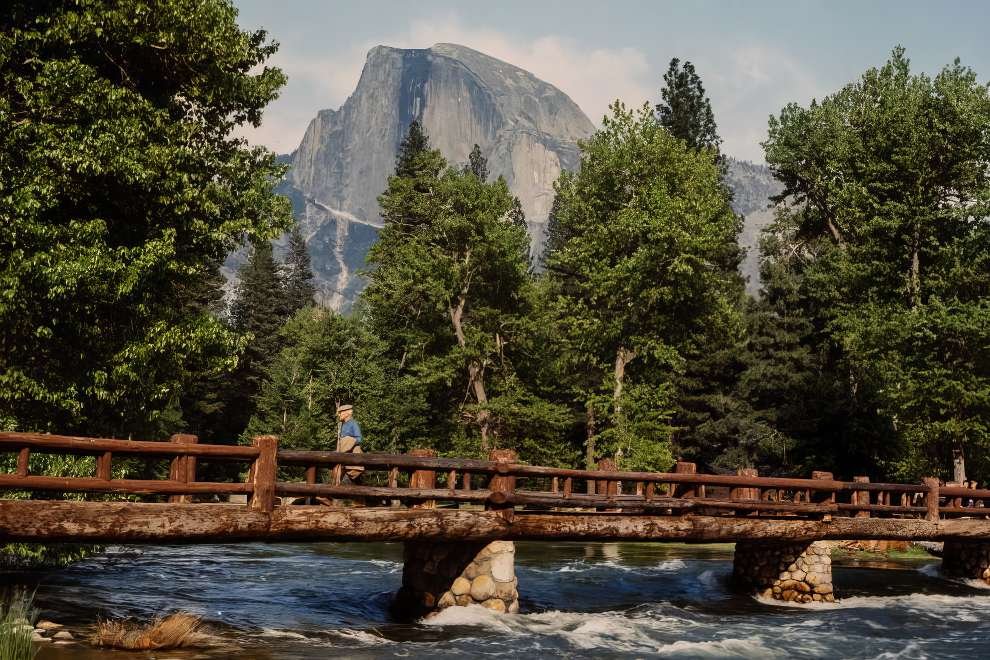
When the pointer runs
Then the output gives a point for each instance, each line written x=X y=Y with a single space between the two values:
x=122 y=187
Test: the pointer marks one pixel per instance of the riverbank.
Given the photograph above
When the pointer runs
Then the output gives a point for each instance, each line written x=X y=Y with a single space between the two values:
x=307 y=601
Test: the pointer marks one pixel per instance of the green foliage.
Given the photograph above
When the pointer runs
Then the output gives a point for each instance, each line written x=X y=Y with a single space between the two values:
x=448 y=296
x=121 y=188
x=298 y=276
x=478 y=164
x=635 y=275
x=888 y=186
x=328 y=360
x=685 y=110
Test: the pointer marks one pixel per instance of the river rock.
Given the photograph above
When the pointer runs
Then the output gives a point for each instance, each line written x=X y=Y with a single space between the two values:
x=446 y=600
x=502 y=567
x=48 y=625
x=62 y=634
x=494 y=604
x=37 y=637
x=461 y=586
x=482 y=588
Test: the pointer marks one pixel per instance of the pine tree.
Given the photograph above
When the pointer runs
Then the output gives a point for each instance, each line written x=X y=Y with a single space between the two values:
x=415 y=143
x=685 y=110
x=299 y=288
x=478 y=164
x=257 y=312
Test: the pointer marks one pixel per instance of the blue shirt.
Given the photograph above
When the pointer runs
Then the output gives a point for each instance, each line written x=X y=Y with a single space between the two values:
x=351 y=428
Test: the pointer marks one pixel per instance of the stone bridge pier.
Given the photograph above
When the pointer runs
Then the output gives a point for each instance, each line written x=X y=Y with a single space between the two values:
x=441 y=574
x=962 y=559
x=444 y=574
x=793 y=572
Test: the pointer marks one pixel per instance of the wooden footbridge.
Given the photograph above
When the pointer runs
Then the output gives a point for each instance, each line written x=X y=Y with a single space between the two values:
x=458 y=517
x=418 y=496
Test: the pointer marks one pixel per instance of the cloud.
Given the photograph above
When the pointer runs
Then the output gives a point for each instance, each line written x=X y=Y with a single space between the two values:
x=748 y=83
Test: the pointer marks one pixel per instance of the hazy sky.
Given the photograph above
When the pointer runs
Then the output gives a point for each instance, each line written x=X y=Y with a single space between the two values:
x=753 y=57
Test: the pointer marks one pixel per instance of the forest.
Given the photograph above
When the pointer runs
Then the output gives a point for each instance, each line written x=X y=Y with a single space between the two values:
x=123 y=187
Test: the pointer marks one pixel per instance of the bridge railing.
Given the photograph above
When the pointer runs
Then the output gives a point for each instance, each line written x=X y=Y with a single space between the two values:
x=421 y=479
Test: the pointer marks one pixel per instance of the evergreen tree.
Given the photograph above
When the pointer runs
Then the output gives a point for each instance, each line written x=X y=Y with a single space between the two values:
x=257 y=313
x=122 y=185
x=636 y=277
x=888 y=178
x=685 y=110
x=299 y=288
x=446 y=291
x=415 y=143
x=478 y=164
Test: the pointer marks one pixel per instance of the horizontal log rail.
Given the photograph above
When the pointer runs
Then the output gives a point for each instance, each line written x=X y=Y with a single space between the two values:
x=273 y=477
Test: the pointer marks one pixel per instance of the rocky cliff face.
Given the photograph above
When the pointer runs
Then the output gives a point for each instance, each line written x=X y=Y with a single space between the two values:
x=752 y=186
x=526 y=128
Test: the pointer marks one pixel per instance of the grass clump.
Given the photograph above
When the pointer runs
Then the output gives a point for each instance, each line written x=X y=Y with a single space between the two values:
x=16 y=631
x=179 y=630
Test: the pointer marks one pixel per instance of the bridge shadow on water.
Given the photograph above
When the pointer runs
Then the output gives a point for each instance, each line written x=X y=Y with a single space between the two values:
x=578 y=600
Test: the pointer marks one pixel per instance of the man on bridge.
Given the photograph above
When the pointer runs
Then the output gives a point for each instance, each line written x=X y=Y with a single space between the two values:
x=349 y=438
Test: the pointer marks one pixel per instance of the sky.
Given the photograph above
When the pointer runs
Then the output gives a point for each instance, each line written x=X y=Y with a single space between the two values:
x=753 y=57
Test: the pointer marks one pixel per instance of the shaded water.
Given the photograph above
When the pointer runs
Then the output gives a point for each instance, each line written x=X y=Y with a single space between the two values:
x=578 y=600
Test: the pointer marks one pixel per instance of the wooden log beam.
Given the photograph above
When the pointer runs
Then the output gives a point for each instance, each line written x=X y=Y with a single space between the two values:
x=64 y=444
x=122 y=486
x=131 y=522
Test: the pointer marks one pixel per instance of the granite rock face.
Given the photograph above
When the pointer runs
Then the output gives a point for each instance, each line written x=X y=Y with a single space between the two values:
x=527 y=129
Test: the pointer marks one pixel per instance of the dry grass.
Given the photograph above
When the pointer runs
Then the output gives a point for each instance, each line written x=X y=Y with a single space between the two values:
x=174 y=631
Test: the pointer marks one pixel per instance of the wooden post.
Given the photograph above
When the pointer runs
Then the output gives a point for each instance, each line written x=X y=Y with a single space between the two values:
x=425 y=479
x=183 y=468
x=264 y=473
x=23 y=460
x=686 y=490
x=931 y=499
x=104 y=463
x=502 y=485
x=861 y=497
x=818 y=497
x=745 y=492
x=605 y=486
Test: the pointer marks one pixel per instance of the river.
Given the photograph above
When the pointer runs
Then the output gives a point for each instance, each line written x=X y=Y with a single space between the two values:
x=597 y=600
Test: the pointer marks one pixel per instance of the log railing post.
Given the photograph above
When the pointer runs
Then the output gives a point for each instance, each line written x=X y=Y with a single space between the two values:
x=745 y=492
x=931 y=499
x=686 y=490
x=182 y=469
x=606 y=487
x=104 y=465
x=423 y=479
x=23 y=461
x=264 y=473
x=818 y=497
x=502 y=485
x=861 y=497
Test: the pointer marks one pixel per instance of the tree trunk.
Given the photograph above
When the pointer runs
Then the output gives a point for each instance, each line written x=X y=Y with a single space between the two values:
x=623 y=357
x=914 y=286
x=589 y=443
x=476 y=376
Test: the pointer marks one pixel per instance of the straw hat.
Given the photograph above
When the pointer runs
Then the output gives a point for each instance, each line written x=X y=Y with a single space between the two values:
x=345 y=406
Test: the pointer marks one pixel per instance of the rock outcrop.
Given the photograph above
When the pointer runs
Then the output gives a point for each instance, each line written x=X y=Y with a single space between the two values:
x=527 y=129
